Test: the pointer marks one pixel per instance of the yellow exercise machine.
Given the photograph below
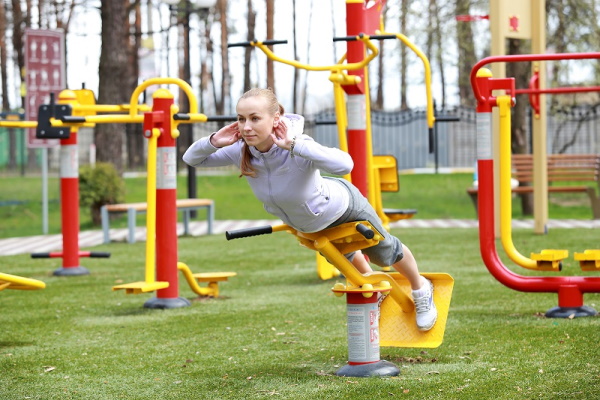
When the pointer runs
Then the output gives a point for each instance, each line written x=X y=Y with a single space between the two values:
x=397 y=313
x=160 y=128
x=382 y=170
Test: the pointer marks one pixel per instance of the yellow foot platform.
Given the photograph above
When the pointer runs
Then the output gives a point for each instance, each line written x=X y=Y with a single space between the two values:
x=589 y=260
x=399 y=329
x=550 y=259
x=141 y=287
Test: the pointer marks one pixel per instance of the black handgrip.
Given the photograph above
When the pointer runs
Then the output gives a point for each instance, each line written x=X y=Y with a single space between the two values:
x=431 y=144
x=247 y=232
x=371 y=37
x=214 y=118
x=181 y=117
x=72 y=119
x=365 y=231
x=447 y=119
x=40 y=255
x=272 y=42
x=326 y=122
x=99 y=254
x=265 y=42
x=221 y=118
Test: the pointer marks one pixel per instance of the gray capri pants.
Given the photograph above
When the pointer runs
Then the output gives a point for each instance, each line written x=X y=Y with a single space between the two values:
x=388 y=251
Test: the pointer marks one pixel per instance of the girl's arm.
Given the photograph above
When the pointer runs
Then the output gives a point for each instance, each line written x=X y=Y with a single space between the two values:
x=203 y=154
x=328 y=159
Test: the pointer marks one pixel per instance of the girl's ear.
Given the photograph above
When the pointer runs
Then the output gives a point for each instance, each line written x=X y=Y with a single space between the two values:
x=276 y=121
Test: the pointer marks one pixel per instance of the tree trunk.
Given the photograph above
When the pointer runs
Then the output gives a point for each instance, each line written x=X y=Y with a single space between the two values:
x=379 y=98
x=519 y=129
x=270 y=33
x=248 y=50
x=225 y=76
x=439 y=54
x=296 y=70
x=134 y=134
x=113 y=87
x=466 y=55
x=3 y=58
x=305 y=86
x=404 y=4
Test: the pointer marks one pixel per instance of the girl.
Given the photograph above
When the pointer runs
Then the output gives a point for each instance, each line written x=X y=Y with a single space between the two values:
x=283 y=168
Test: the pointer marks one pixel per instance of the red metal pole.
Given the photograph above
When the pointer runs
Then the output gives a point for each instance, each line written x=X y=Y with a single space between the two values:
x=69 y=193
x=570 y=289
x=166 y=210
x=359 y=19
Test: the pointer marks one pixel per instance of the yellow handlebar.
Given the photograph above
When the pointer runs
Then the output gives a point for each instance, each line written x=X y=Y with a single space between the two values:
x=183 y=85
x=373 y=52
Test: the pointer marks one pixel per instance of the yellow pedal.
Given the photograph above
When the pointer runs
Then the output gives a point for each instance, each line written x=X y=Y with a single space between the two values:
x=550 y=259
x=141 y=287
x=399 y=329
x=589 y=260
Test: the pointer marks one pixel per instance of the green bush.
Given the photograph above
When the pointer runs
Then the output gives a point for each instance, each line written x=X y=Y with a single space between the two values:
x=99 y=185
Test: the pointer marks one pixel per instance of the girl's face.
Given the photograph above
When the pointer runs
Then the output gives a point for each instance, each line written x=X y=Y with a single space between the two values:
x=256 y=123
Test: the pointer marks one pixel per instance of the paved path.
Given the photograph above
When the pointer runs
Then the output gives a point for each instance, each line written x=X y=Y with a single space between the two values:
x=46 y=243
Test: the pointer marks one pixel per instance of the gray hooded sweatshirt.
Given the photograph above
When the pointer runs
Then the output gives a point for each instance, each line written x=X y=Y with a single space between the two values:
x=291 y=188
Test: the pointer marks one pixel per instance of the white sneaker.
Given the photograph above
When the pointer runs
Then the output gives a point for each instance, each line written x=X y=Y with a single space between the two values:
x=425 y=307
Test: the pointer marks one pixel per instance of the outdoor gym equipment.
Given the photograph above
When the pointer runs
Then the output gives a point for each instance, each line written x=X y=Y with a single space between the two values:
x=366 y=332
x=160 y=128
x=570 y=289
x=69 y=102
x=354 y=128
x=8 y=281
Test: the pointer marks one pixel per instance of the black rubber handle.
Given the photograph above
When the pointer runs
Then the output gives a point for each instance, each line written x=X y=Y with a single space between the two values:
x=372 y=37
x=181 y=117
x=214 y=118
x=265 y=42
x=222 y=118
x=40 y=255
x=73 y=119
x=99 y=254
x=247 y=232
x=365 y=231
x=447 y=119
x=431 y=144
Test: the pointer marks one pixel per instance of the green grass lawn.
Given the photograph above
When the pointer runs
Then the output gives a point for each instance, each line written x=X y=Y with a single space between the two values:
x=279 y=332
x=434 y=196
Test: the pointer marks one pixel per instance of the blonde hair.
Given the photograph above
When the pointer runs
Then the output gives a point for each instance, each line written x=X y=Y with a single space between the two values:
x=273 y=107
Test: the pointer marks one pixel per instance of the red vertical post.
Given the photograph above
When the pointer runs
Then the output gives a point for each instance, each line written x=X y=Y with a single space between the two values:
x=166 y=209
x=359 y=19
x=69 y=193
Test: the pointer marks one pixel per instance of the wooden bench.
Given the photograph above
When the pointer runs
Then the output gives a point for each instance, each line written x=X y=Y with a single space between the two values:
x=132 y=209
x=562 y=169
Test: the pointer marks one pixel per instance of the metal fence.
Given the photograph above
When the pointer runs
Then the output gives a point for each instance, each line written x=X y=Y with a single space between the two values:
x=403 y=134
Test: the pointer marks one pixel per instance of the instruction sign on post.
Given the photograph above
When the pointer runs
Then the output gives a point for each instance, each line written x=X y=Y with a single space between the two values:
x=44 y=74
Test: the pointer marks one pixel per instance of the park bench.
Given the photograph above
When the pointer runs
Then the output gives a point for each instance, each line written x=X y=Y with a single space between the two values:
x=132 y=209
x=567 y=173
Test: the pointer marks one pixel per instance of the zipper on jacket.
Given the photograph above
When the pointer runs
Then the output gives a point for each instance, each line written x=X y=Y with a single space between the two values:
x=270 y=187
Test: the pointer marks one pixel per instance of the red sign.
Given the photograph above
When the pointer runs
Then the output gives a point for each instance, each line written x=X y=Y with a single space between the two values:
x=44 y=74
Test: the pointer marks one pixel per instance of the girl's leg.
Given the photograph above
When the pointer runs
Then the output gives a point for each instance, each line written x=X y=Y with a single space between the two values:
x=408 y=267
x=360 y=263
x=422 y=290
